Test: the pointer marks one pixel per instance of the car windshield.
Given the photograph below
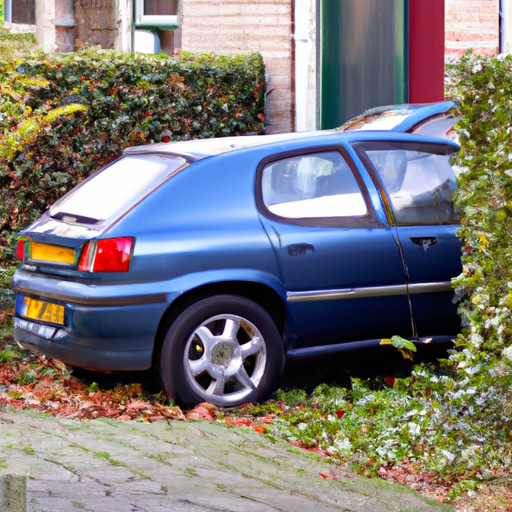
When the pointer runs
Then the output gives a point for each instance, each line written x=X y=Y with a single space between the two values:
x=115 y=188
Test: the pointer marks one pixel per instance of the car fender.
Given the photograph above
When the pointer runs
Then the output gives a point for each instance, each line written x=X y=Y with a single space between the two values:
x=190 y=282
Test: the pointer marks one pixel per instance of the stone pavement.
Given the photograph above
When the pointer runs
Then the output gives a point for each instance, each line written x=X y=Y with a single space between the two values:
x=59 y=465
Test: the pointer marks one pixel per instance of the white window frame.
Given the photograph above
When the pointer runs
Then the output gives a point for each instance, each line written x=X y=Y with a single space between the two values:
x=8 y=11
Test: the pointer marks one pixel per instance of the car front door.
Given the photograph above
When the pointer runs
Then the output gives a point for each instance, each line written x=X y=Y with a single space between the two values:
x=342 y=269
x=420 y=183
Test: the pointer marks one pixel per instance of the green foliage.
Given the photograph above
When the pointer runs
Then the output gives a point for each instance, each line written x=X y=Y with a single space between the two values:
x=26 y=377
x=7 y=355
x=92 y=388
x=483 y=87
x=434 y=423
x=5 y=279
x=16 y=45
x=62 y=117
x=291 y=397
x=405 y=347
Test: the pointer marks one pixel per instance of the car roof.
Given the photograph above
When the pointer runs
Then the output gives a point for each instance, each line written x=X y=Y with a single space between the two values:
x=202 y=148
x=433 y=119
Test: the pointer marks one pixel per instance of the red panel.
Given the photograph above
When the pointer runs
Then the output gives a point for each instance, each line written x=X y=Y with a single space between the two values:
x=426 y=51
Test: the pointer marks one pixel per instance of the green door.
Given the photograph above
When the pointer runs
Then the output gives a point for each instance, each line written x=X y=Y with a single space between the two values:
x=362 y=57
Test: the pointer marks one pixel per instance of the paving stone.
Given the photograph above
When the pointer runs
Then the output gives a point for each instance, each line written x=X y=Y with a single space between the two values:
x=58 y=465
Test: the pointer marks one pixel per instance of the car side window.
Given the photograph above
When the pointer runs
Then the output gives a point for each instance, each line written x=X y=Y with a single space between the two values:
x=420 y=185
x=319 y=185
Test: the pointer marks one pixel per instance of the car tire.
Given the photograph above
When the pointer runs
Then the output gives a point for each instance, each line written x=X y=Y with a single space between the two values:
x=225 y=350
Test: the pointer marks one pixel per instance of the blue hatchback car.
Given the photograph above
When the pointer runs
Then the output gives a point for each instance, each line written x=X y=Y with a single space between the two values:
x=215 y=261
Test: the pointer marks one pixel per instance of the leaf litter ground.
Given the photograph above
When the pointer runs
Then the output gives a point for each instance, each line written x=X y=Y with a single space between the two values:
x=30 y=381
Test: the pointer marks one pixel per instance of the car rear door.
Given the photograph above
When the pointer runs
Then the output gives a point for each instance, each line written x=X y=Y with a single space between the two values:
x=420 y=183
x=340 y=265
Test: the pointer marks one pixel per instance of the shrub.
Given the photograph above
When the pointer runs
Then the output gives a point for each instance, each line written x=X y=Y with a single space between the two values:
x=62 y=117
x=483 y=87
x=16 y=45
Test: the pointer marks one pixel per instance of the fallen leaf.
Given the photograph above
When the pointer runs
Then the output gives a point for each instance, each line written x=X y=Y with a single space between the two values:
x=137 y=405
x=201 y=412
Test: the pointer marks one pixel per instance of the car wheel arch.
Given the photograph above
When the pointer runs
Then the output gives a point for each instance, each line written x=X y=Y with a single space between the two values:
x=261 y=294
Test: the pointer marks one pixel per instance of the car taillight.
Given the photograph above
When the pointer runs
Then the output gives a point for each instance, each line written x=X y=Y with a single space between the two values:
x=84 y=262
x=20 y=249
x=107 y=255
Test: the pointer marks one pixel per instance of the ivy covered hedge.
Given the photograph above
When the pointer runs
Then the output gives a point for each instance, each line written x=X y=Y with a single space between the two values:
x=483 y=88
x=62 y=117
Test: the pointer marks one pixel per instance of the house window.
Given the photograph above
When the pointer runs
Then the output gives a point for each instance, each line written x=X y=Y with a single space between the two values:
x=160 y=7
x=157 y=14
x=20 y=11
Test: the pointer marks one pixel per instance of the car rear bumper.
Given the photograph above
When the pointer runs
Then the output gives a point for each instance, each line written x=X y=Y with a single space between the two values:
x=96 y=338
x=92 y=356
x=106 y=328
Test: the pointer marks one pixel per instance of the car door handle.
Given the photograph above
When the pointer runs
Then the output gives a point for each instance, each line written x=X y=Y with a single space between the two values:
x=425 y=241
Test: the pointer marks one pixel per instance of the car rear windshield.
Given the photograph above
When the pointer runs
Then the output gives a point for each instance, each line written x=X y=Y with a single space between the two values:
x=114 y=189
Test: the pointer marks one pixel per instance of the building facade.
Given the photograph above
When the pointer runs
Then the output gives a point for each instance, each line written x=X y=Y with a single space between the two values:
x=290 y=35
x=478 y=24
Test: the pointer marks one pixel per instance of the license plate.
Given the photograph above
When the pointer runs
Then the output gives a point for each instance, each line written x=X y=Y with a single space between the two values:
x=41 y=310
x=52 y=253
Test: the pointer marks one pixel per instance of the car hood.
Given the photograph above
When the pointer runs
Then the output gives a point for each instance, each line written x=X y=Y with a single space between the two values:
x=433 y=119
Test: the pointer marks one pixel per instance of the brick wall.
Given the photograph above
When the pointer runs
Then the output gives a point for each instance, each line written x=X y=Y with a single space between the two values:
x=224 y=26
x=471 y=24
x=97 y=22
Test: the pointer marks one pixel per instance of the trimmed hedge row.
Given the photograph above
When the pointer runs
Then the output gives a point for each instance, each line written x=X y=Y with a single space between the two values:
x=483 y=88
x=62 y=117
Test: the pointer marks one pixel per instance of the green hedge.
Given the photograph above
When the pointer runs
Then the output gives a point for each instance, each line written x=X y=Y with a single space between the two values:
x=483 y=88
x=62 y=117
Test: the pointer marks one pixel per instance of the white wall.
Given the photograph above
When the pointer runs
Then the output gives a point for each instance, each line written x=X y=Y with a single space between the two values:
x=45 y=32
